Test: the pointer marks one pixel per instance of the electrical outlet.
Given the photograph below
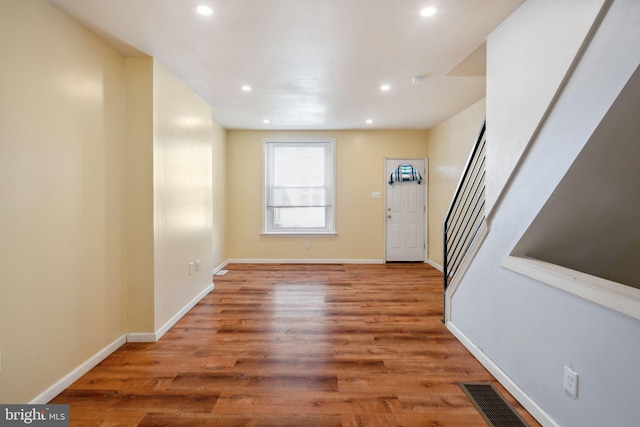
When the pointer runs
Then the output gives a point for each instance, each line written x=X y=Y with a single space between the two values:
x=191 y=268
x=197 y=264
x=307 y=245
x=570 y=382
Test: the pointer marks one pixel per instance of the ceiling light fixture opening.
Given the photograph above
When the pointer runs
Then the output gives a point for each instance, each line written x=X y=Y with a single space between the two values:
x=385 y=87
x=428 y=11
x=369 y=121
x=418 y=80
x=204 y=10
x=246 y=88
x=266 y=121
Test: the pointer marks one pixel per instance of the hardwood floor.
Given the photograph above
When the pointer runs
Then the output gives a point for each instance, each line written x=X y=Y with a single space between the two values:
x=294 y=345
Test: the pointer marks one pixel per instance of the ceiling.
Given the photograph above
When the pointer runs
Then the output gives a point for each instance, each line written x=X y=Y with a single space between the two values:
x=311 y=64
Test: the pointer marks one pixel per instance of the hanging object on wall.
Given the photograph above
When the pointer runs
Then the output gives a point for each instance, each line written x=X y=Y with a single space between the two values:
x=404 y=173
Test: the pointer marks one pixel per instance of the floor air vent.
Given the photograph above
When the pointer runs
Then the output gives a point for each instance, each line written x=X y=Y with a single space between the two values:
x=496 y=411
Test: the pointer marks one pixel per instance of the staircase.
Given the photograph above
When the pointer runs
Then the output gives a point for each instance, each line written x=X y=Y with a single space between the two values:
x=466 y=214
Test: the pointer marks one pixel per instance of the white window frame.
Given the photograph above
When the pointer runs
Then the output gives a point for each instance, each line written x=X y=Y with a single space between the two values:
x=268 y=227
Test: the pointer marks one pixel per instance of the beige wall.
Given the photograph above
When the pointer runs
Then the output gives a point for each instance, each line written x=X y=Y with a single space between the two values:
x=106 y=193
x=62 y=115
x=219 y=164
x=182 y=194
x=450 y=144
x=113 y=178
x=359 y=218
x=168 y=195
x=138 y=196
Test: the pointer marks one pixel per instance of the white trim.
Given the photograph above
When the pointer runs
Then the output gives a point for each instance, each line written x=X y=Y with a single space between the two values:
x=90 y=363
x=298 y=234
x=435 y=265
x=483 y=231
x=425 y=178
x=219 y=267
x=268 y=227
x=60 y=385
x=304 y=261
x=615 y=296
x=155 y=336
x=141 y=337
x=164 y=328
x=527 y=402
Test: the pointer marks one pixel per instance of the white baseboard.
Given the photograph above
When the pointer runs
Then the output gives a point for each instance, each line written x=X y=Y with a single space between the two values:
x=72 y=376
x=303 y=261
x=435 y=265
x=529 y=404
x=141 y=337
x=155 y=336
x=164 y=328
x=220 y=267
x=86 y=366
x=473 y=249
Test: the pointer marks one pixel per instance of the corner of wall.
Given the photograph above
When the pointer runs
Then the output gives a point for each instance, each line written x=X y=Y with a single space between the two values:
x=183 y=138
x=450 y=144
x=137 y=190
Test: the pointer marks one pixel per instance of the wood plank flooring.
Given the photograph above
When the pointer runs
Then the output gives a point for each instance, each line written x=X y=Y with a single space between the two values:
x=294 y=345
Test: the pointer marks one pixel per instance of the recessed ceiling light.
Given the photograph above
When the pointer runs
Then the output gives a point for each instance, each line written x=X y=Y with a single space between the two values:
x=246 y=88
x=266 y=121
x=428 y=11
x=369 y=121
x=204 y=10
x=385 y=87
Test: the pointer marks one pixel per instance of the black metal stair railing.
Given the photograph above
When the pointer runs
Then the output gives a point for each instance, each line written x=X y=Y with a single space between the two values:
x=466 y=212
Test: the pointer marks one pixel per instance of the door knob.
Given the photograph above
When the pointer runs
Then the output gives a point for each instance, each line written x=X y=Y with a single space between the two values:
x=389 y=216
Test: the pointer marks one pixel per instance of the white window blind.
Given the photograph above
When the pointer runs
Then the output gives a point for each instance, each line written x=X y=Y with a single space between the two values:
x=299 y=186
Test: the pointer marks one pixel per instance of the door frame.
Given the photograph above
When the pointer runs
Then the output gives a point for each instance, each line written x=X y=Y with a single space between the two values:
x=425 y=181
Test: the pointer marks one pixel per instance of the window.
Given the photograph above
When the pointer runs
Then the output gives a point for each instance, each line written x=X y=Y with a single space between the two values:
x=299 y=186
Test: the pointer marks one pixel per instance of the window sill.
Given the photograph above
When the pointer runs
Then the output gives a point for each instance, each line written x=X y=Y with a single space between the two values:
x=296 y=233
x=615 y=296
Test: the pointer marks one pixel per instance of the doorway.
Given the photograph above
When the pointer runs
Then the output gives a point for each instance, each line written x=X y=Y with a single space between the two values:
x=405 y=213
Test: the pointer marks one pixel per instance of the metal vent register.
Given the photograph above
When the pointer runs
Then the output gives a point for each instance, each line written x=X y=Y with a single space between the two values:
x=496 y=411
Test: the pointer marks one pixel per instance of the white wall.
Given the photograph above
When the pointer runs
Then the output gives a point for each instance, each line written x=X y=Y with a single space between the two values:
x=529 y=330
x=602 y=185
x=528 y=56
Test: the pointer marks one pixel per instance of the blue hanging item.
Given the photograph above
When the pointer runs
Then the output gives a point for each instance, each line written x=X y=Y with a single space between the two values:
x=405 y=173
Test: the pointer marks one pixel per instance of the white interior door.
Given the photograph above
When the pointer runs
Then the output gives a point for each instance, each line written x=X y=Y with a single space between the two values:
x=405 y=213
